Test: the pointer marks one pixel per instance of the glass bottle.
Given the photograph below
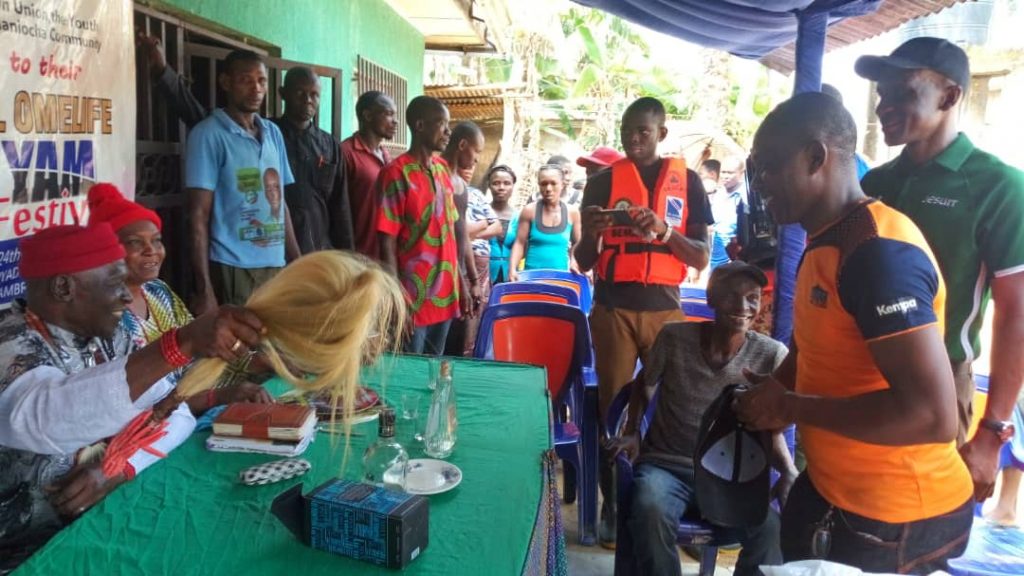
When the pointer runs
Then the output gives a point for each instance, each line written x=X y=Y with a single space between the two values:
x=442 y=421
x=385 y=461
x=433 y=369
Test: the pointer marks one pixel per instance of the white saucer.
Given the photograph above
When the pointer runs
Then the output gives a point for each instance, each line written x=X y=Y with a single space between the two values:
x=426 y=476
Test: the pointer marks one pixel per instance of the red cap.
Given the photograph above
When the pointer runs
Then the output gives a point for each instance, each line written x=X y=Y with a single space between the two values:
x=68 y=249
x=601 y=156
x=107 y=204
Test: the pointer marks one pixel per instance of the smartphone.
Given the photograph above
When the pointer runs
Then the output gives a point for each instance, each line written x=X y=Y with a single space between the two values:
x=619 y=217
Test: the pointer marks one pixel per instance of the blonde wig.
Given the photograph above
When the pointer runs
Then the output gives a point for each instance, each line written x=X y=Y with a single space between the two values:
x=326 y=314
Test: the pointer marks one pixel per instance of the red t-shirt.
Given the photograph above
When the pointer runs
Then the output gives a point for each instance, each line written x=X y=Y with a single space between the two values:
x=417 y=206
x=362 y=167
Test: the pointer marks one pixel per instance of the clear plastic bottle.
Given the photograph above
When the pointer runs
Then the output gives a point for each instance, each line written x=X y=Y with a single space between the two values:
x=442 y=421
x=385 y=461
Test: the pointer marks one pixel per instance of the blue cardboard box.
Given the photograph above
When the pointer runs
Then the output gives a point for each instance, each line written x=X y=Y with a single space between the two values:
x=361 y=521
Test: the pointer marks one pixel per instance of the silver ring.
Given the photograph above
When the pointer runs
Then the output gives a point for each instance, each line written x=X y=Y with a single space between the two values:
x=236 y=346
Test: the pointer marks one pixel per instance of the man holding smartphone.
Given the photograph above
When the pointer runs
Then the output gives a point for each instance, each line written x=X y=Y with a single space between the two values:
x=639 y=262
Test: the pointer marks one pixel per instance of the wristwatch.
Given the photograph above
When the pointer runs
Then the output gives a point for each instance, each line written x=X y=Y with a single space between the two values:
x=1004 y=429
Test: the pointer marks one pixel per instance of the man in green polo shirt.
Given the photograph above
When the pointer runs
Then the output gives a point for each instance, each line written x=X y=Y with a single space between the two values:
x=970 y=207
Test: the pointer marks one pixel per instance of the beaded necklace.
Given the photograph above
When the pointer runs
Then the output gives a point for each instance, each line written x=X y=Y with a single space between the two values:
x=97 y=354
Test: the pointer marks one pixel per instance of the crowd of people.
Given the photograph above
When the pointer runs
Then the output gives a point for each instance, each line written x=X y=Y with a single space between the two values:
x=897 y=273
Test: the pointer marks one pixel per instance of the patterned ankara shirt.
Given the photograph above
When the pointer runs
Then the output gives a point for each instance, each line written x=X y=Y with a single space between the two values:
x=417 y=207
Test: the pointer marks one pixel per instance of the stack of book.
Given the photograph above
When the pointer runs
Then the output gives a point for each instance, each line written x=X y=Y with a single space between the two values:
x=280 y=429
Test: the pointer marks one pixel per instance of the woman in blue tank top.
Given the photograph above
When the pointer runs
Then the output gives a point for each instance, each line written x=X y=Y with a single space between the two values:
x=548 y=228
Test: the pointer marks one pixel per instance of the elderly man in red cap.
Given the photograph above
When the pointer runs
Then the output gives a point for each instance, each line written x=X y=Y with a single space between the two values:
x=66 y=384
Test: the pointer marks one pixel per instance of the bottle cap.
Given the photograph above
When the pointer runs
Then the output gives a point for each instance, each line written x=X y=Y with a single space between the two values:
x=386 y=422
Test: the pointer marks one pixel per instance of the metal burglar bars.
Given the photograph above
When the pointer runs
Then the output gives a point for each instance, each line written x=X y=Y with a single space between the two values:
x=197 y=53
x=205 y=62
x=371 y=76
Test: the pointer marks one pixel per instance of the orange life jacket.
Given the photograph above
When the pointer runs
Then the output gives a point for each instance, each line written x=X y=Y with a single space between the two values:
x=627 y=257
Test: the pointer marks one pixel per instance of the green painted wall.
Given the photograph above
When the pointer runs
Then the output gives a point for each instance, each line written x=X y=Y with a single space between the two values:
x=325 y=32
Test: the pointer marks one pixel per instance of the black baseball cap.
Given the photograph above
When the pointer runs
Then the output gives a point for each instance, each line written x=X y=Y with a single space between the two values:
x=732 y=478
x=736 y=268
x=925 y=53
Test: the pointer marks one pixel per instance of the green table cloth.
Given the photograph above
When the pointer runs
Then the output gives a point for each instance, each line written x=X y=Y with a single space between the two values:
x=189 y=514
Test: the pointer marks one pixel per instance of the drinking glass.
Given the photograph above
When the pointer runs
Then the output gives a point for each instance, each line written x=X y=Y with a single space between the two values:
x=410 y=416
x=433 y=369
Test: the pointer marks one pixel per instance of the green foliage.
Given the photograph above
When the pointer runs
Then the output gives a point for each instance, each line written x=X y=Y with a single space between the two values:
x=498 y=70
x=594 y=53
x=566 y=122
x=546 y=65
x=604 y=62
x=590 y=76
x=612 y=66
x=762 y=104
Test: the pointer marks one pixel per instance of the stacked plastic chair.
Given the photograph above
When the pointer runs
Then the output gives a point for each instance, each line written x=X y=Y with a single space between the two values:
x=524 y=332
x=562 y=288
x=534 y=292
x=578 y=282
x=581 y=285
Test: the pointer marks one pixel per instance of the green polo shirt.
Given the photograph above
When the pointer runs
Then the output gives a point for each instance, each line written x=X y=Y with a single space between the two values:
x=970 y=207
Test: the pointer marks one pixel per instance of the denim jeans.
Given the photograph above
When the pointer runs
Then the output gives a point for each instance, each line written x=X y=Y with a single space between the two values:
x=920 y=547
x=660 y=498
x=428 y=339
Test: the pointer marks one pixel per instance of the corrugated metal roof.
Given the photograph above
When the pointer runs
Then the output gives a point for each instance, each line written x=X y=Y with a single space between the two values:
x=465 y=92
x=476 y=113
x=891 y=14
x=472 y=102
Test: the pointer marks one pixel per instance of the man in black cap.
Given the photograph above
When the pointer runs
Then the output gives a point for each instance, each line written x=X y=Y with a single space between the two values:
x=970 y=207
x=693 y=362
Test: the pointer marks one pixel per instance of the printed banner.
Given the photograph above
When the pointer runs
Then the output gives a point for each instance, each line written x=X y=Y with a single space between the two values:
x=67 y=115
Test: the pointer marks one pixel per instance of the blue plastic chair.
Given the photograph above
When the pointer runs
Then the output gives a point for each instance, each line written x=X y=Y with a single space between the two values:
x=538 y=282
x=533 y=292
x=543 y=291
x=693 y=301
x=691 y=532
x=991 y=551
x=564 y=278
x=524 y=332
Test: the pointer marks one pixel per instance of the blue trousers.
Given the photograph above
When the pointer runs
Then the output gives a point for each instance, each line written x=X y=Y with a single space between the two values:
x=428 y=339
x=660 y=498
x=920 y=547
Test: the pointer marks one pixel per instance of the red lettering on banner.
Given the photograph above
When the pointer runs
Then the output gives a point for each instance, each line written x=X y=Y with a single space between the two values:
x=69 y=71
x=19 y=64
x=54 y=213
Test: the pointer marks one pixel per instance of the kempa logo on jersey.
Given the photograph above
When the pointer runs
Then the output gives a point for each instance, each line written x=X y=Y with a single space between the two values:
x=940 y=201
x=898 y=307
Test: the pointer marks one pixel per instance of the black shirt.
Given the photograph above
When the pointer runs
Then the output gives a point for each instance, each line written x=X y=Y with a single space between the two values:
x=635 y=295
x=318 y=199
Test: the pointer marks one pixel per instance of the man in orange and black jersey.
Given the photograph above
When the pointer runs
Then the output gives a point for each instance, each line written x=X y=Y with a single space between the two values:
x=867 y=380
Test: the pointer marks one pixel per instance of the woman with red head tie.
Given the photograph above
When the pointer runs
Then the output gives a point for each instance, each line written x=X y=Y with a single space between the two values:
x=155 y=308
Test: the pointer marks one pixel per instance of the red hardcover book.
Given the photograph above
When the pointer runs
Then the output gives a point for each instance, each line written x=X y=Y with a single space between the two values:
x=266 y=421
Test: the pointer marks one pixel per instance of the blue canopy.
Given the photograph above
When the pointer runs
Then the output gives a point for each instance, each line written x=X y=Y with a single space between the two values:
x=752 y=29
x=745 y=28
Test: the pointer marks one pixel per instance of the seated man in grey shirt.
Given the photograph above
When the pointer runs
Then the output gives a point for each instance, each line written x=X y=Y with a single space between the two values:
x=693 y=362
